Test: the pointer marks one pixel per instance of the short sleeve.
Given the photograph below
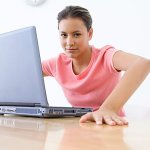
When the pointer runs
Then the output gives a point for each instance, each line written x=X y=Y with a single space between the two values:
x=108 y=58
x=49 y=67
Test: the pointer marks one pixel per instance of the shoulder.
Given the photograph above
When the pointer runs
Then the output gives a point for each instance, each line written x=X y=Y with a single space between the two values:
x=54 y=60
x=104 y=56
x=62 y=59
x=104 y=49
x=50 y=66
x=105 y=52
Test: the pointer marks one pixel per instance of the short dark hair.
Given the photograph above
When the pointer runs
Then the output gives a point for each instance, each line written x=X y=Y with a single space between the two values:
x=76 y=12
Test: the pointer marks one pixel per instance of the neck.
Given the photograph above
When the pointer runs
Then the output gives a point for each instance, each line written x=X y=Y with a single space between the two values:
x=81 y=63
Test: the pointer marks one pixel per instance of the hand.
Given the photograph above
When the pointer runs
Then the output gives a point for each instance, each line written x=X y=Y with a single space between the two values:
x=103 y=116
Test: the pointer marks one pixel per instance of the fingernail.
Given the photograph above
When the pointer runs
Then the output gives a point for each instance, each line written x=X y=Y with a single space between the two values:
x=99 y=122
x=112 y=123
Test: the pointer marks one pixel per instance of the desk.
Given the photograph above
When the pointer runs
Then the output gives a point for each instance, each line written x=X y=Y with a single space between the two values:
x=27 y=133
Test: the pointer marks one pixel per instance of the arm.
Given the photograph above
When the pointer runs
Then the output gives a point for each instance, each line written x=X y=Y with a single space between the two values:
x=136 y=69
x=44 y=75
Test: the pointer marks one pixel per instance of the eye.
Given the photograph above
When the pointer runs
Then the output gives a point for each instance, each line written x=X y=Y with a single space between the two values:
x=76 y=35
x=64 y=35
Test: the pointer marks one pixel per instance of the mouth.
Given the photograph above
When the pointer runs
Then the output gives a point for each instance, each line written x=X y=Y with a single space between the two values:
x=70 y=49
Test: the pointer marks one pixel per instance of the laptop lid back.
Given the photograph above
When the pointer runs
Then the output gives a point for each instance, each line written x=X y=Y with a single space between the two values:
x=21 y=81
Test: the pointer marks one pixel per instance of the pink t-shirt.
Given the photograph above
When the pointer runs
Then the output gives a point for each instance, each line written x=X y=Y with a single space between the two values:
x=93 y=85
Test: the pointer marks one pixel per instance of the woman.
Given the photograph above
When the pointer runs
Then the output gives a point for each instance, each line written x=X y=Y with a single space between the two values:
x=91 y=77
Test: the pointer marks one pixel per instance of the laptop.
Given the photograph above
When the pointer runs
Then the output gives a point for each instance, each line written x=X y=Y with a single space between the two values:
x=22 y=89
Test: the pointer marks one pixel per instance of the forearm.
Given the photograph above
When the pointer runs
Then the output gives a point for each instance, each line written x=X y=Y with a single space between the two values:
x=131 y=80
x=44 y=75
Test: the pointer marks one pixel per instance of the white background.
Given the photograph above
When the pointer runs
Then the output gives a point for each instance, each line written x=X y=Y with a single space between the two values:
x=124 y=24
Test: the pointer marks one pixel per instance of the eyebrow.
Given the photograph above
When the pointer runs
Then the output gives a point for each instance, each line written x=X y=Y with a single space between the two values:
x=73 y=32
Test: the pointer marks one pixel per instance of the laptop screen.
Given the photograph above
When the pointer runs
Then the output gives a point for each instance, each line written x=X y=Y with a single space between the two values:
x=21 y=81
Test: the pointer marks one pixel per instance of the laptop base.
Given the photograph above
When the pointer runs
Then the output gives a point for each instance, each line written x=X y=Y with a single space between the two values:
x=45 y=112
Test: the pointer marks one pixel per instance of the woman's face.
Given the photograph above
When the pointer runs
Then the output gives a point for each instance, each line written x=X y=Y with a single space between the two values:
x=74 y=37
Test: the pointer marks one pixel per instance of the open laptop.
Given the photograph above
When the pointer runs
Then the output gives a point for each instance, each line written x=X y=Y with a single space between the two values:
x=22 y=89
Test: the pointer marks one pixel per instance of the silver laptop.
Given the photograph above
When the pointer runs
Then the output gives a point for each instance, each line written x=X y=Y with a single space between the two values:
x=22 y=89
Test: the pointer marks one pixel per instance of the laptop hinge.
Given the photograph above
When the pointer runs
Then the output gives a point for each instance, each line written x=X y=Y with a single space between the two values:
x=37 y=105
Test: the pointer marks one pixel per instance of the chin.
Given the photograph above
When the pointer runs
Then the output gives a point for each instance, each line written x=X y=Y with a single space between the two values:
x=71 y=55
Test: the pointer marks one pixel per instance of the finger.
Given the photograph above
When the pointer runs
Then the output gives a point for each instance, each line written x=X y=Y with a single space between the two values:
x=86 y=117
x=99 y=120
x=109 y=121
x=119 y=120
x=125 y=122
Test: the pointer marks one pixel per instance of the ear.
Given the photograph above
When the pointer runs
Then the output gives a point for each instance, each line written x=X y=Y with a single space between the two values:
x=90 y=32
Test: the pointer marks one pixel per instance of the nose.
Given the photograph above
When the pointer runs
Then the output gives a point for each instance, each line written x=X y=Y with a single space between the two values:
x=69 y=41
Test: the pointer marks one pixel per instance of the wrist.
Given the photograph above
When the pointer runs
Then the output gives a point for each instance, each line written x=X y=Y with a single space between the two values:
x=110 y=108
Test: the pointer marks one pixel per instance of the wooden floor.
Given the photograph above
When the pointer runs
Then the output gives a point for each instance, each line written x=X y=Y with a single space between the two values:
x=27 y=133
